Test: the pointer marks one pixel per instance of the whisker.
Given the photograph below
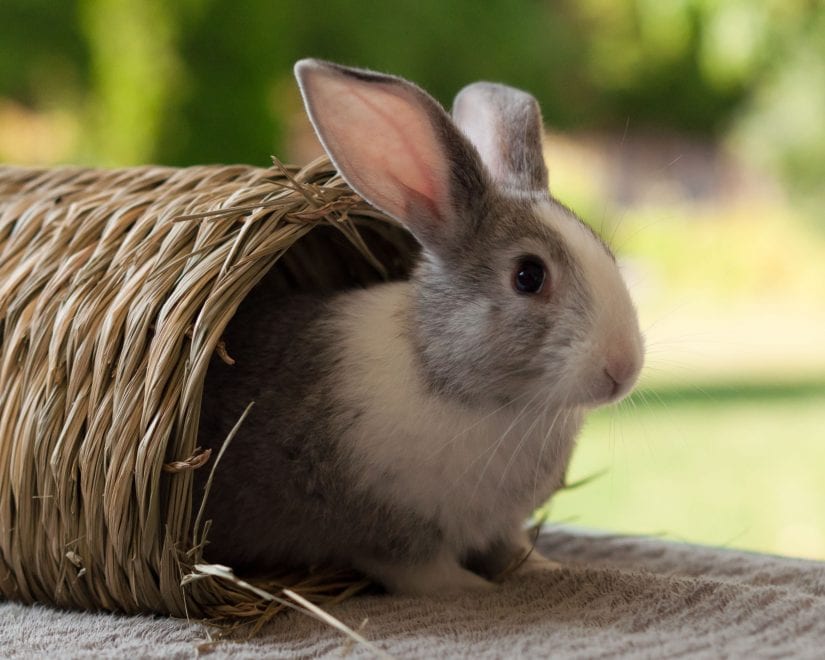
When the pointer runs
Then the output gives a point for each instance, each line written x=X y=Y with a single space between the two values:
x=544 y=446
x=520 y=444
x=495 y=446
x=464 y=431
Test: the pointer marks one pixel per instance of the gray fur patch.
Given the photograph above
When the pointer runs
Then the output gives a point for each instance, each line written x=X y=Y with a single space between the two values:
x=481 y=344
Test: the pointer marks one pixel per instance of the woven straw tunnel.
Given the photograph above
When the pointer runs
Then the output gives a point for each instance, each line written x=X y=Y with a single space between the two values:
x=115 y=289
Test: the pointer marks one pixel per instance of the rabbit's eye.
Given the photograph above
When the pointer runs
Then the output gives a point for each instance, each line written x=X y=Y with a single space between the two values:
x=529 y=275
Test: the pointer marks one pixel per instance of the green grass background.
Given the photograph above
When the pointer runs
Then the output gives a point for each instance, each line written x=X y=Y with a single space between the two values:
x=728 y=465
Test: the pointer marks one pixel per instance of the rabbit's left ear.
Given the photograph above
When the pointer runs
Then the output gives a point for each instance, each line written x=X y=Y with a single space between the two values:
x=396 y=147
x=505 y=126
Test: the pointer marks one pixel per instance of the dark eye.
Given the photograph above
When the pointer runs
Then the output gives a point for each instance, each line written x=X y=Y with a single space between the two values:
x=529 y=275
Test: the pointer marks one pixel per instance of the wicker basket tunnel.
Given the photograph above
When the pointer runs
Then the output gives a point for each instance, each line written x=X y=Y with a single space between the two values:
x=115 y=289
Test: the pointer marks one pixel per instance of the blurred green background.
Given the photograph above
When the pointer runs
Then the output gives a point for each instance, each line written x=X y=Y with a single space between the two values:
x=690 y=133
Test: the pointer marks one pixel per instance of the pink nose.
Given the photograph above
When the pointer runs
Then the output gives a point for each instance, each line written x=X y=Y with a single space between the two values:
x=615 y=386
x=621 y=369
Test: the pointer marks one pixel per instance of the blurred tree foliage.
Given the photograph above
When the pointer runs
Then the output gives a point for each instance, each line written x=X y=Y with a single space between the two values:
x=210 y=80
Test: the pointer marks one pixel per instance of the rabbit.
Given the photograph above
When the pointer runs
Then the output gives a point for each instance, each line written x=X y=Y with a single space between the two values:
x=408 y=429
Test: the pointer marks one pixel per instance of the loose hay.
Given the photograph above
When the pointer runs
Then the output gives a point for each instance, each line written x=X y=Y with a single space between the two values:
x=115 y=289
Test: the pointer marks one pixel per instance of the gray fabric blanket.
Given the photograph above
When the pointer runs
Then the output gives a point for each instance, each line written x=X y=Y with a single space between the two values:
x=615 y=596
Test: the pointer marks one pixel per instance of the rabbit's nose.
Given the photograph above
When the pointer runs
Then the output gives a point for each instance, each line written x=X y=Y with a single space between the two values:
x=622 y=369
x=622 y=366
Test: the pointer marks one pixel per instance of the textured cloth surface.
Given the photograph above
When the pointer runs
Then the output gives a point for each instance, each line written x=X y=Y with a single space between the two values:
x=615 y=596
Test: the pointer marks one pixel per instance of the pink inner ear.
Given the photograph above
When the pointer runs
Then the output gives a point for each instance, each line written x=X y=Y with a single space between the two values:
x=383 y=142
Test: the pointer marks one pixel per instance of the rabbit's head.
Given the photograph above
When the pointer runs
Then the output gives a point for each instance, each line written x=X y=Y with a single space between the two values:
x=514 y=296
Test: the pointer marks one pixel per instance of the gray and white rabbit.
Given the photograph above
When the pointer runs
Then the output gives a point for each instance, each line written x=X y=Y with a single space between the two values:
x=409 y=429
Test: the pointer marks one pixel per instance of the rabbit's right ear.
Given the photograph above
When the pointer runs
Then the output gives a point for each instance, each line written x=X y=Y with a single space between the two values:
x=396 y=147
x=505 y=126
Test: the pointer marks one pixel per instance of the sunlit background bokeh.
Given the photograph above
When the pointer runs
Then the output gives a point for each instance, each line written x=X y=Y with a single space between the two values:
x=690 y=133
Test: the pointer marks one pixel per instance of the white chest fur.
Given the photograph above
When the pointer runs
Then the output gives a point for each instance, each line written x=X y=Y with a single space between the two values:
x=478 y=472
